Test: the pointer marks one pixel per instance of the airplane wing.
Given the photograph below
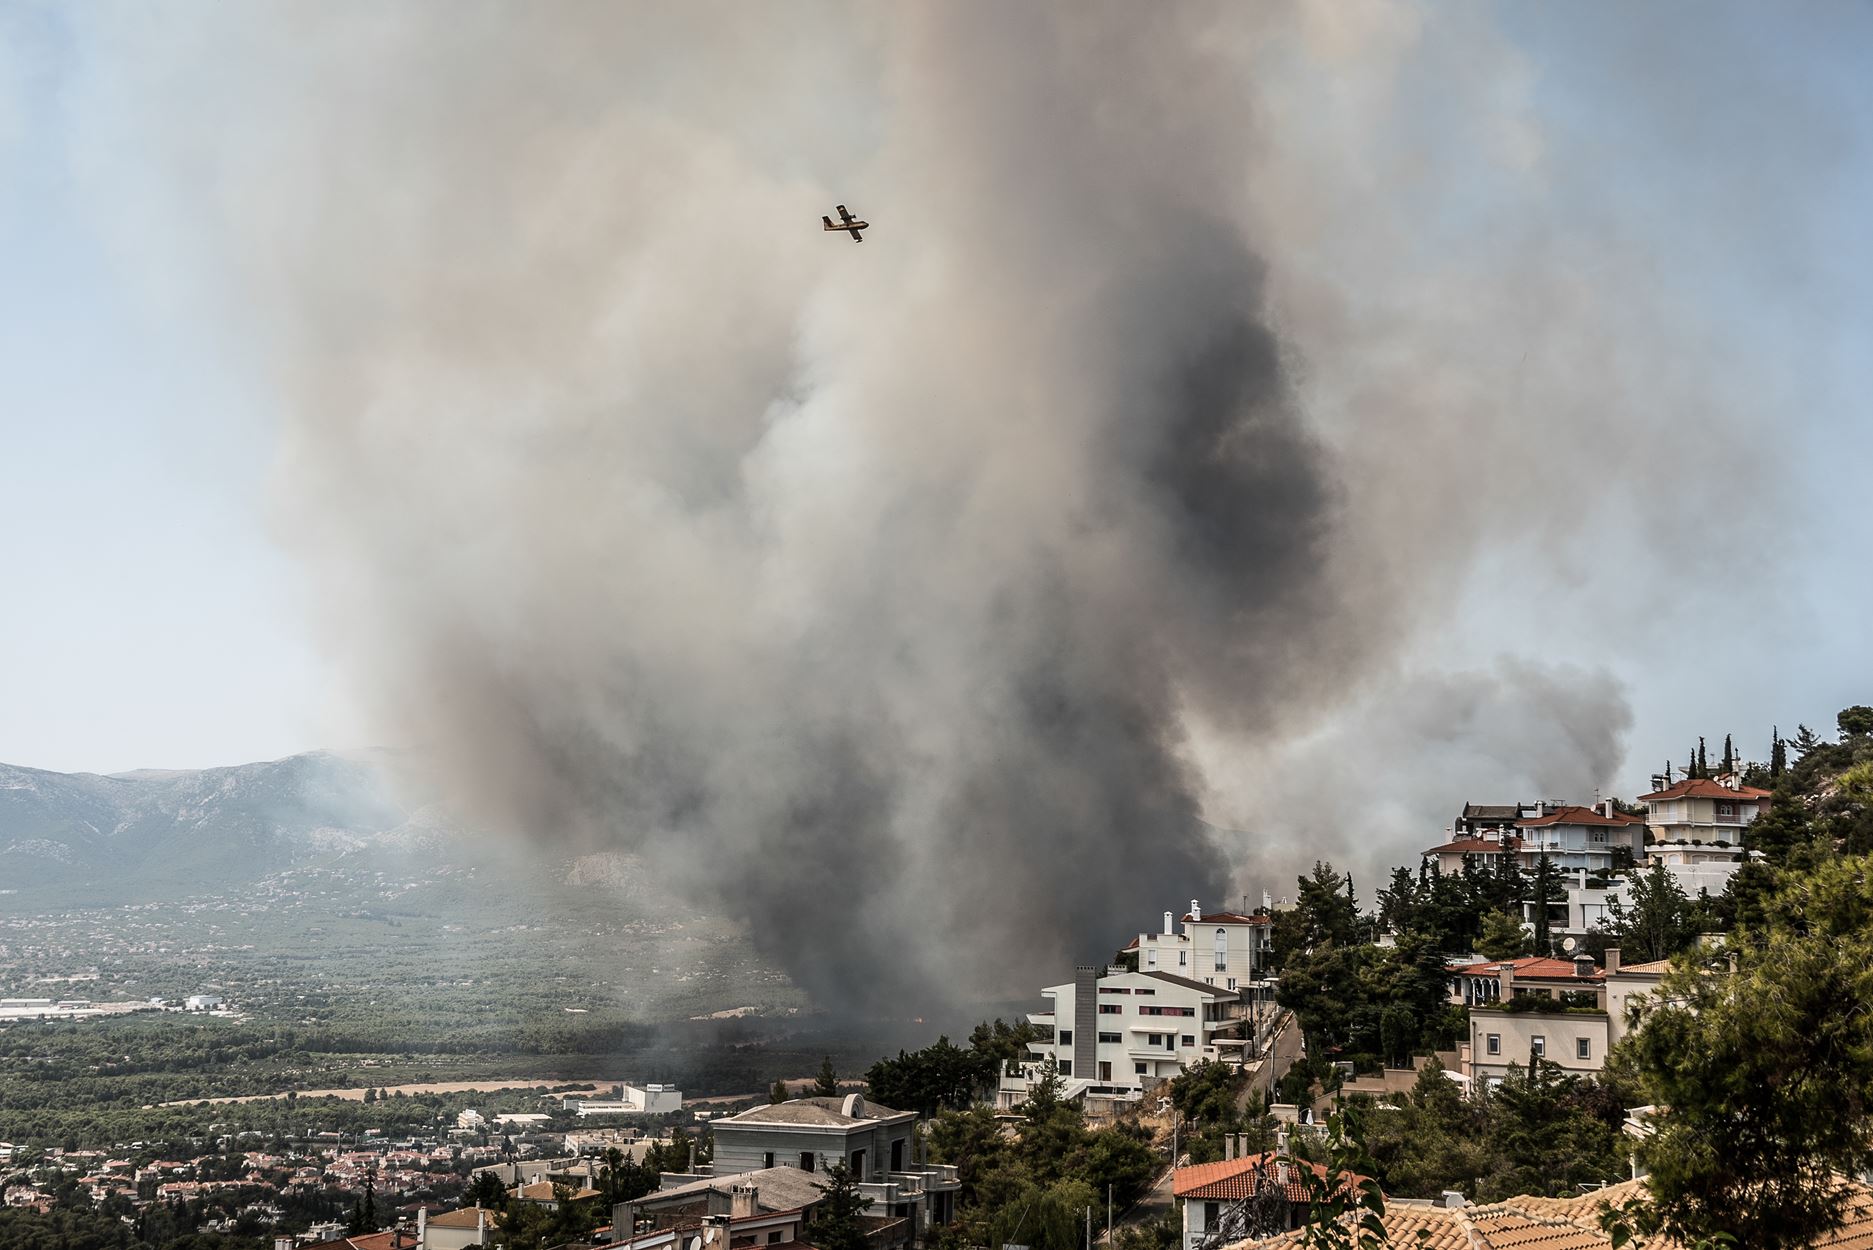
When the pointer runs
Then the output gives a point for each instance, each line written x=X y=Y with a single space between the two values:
x=857 y=237
x=843 y=215
x=827 y=220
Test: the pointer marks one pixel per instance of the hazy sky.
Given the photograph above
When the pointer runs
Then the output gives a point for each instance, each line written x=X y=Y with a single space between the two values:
x=149 y=618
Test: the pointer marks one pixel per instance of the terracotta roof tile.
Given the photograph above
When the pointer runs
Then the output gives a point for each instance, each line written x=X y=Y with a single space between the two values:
x=1705 y=788
x=1532 y=1223
x=1581 y=816
x=1476 y=846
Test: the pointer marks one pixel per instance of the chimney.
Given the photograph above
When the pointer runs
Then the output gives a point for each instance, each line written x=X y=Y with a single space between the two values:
x=1196 y=911
x=1229 y=1146
x=1169 y=928
x=481 y=1226
x=1506 y=980
x=422 y=1225
x=741 y=1203
x=1583 y=965
x=1612 y=960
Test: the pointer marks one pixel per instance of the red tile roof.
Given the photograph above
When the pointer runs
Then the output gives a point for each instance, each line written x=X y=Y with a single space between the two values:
x=1705 y=788
x=1530 y=967
x=1476 y=846
x=1234 y=1179
x=1582 y=816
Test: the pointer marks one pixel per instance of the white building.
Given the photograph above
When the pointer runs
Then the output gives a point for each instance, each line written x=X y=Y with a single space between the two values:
x=1581 y=838
x=653 y=1099
x=1698 y=826
x=1122 y=1032
x=1702 y=810
x=202 y=1002
x=1220 y=948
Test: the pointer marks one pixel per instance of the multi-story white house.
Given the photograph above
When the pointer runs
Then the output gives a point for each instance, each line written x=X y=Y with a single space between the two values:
x=1698 y=827
x=1581 y=837
x=1699 y=809
x=1220 y=948
x=1121 y=1032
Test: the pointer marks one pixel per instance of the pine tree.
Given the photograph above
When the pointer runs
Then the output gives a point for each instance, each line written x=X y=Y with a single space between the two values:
x=1778 y=754
x=835 y=1223
x=826 y=1084
x=779 y=1093
x=1804 y=741
x=1547 y=886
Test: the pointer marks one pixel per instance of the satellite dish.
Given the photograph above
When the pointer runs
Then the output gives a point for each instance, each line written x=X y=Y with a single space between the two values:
x=1568 y=945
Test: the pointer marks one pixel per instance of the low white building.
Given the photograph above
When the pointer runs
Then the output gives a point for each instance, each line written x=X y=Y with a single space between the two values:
x=653 y=1099
x=202 y=1002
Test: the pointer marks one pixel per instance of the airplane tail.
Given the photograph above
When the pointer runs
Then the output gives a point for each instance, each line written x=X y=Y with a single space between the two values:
x=828 y=222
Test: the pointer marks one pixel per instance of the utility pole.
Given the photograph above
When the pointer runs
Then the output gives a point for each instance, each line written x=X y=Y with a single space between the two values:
x=1108 y=1213
x=1089 y=1228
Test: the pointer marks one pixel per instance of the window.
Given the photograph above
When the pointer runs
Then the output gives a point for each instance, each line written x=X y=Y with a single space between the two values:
x=1190 y=1039
x=1066 y=1036
x=1165 y=1011
x=1493 y=1044
x=1582 y=1048
x=1726 y=811
x=767 y=1158
x=1064 y=1067
x=1142 y=991
x=1138 y=1068
x=1183 y=959
x=1154 y=1039
x=858 y=1165
x=1210 y=1211
x=1112 y=1009
x=1111 y=1039
x=773 y=1238
x=897 y=1155
x=1222 y=949
x=1597 y=835
x=1151 y=959
x=1113 y=989
x=806 y=1160
x=1538 y=1046
x=1232 y=983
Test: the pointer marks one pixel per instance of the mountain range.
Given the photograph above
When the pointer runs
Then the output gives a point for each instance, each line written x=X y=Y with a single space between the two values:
x=85 y=839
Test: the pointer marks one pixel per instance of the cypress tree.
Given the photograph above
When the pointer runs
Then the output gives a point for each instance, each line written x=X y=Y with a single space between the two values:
x=1778 y=753
x=1729 y=755
x=1703 y=764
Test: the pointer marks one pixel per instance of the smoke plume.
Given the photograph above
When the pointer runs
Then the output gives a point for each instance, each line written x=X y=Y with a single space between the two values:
x=913 y=601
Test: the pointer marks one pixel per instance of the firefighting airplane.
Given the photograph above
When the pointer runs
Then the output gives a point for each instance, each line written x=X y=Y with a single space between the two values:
x=847 y=222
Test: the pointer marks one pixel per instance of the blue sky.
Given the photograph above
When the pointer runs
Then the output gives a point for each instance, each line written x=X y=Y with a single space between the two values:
x=151 y=619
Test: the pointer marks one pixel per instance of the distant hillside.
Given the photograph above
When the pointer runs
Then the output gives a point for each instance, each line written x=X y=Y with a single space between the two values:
x=81 y=839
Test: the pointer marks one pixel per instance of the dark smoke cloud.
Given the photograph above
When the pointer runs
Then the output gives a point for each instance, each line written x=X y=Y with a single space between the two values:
x=912 y=601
